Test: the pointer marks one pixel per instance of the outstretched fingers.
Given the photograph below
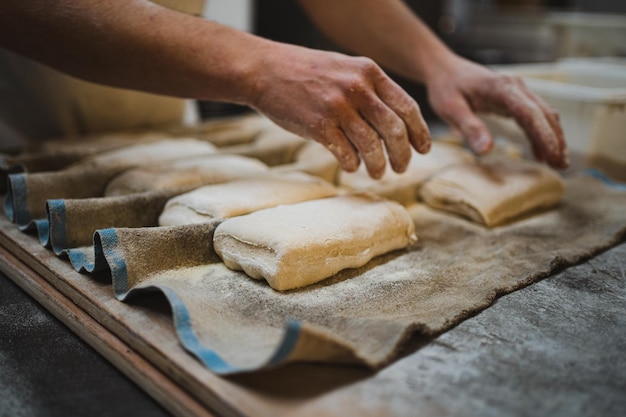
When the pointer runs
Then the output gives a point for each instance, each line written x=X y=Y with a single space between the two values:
x=457 y=112
x=539 y=122
x=405 y=107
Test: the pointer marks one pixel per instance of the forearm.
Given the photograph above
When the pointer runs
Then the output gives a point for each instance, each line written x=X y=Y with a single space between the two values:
x=134 y=44
x=386 y=31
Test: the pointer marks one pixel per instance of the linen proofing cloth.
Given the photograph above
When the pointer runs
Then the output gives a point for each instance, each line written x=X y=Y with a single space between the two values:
x=233 y=323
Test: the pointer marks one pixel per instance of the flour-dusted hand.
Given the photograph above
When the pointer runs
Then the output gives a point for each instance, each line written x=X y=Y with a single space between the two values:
x=464 y=89
x=458 y=89
x=346 y=103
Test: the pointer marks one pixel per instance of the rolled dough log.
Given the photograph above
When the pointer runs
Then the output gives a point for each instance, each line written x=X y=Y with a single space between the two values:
x=494 y=190
x=403 y=187
x=185 y=174
x=295 y=245
x=243 y=196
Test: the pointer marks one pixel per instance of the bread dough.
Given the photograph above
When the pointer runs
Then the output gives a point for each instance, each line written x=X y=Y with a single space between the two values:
x=148 y=153
x=185 y=174
x=226 y=131
x=273 y=146
x=403 y=187
x=243 y=196
x=295 y=245
x=494 y=190
x=313 y=158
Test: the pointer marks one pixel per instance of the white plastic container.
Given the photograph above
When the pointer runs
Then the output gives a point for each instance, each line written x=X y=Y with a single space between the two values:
x=590 y=95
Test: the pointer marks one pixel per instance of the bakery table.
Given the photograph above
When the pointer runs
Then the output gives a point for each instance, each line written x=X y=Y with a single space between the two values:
x=46 y=370
x=554 y=348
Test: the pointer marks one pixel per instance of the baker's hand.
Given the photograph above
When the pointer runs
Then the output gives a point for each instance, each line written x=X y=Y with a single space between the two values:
x=346 y=103
x=465 y=88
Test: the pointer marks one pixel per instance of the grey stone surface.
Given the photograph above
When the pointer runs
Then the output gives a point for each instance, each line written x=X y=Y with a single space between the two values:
x=46 y=370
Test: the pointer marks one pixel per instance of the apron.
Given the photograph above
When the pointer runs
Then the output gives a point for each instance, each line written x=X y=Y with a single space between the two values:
x=38 y=102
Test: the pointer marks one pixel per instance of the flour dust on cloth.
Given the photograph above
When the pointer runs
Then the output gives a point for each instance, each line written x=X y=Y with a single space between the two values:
x=359 y=315
x=364 y=315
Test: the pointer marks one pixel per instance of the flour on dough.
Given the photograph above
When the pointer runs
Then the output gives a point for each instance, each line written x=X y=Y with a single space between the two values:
x=185 y=174
x=295 y=245
x=494 y=190
x=143 y=154
x=243 y=196
x=273 y=146
x=313 y=158
x=403 y=188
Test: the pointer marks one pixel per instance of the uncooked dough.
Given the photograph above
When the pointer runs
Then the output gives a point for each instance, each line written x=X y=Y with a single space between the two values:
x=243 y=196
x=148 y=153
x=295 y=245
x=494 y=190
x=313 y=158
x=273 y=146
x=185 y=174
x=403 y=188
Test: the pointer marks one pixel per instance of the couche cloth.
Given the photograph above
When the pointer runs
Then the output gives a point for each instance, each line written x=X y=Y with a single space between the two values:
x=232 y=323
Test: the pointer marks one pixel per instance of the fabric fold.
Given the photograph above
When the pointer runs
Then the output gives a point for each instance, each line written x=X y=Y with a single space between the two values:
x=232 y=323
x=73 y=222
x=27 y=194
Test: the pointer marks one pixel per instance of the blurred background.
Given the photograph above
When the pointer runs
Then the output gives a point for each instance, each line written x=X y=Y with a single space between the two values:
x=572 y=53
x=491 y=32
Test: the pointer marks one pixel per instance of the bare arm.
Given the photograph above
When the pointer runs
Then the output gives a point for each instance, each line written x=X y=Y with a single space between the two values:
x=134 y=44
x=388 y=32
x=348 y=104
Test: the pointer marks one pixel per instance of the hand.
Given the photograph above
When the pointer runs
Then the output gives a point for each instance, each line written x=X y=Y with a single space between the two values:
x=348 y=104
x=465 y=88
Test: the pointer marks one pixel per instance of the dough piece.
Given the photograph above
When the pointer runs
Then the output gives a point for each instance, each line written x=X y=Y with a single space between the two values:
x=494 y=190
x=226 y=131
x=148 y=153
x=273 y=146
x=242 y=197
x=98 y=143
x=403 y=188
x=185 y=174
x=295 y=245
x=313 y=158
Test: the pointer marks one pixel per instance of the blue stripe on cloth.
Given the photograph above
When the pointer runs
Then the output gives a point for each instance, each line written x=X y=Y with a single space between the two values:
x=189 y=339
x=79 y=259
x=106 y=246
x=57 y=218
x=107 y=242
x=187 y=336
x=15 y=204
x=43 y=231
x=288 y=344
x=601 y=176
